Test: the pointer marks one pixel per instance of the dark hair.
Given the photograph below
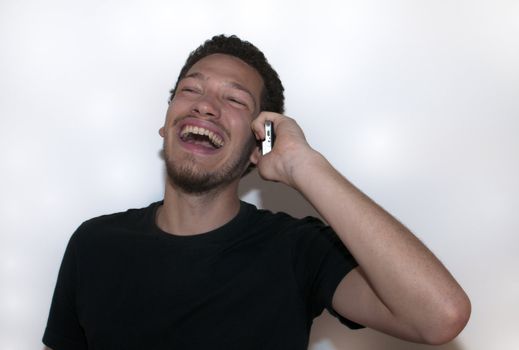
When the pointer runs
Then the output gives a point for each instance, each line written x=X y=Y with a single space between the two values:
x=272 y=98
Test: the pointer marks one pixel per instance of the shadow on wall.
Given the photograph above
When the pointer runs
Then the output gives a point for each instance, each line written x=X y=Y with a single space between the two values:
x=275 y=196
x=327 y=332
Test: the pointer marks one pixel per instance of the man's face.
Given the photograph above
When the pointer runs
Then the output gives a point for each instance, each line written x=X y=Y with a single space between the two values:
x=208 y=142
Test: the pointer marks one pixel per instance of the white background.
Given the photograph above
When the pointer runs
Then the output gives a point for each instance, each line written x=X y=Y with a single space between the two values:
x=416 y=102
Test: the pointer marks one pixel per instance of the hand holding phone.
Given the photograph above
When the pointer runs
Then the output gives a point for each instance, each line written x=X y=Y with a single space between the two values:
x=268 y=143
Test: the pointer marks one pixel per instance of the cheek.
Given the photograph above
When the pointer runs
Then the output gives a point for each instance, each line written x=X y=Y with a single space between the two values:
x=173 y=112
x=177 y=105
x=244 y=131
x=240 y=120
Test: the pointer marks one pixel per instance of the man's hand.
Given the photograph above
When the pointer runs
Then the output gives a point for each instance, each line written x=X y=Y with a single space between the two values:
x=291 y=151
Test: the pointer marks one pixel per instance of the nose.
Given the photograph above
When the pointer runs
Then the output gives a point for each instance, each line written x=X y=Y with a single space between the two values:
x=206 y=106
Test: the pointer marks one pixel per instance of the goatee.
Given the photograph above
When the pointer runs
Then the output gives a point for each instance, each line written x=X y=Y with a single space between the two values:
x=189 y=178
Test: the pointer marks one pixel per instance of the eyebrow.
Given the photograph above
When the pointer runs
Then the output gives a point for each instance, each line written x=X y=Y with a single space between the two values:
x=233 y=84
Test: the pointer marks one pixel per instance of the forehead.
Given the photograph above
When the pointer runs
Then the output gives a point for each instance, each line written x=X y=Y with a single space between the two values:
x=228 y=69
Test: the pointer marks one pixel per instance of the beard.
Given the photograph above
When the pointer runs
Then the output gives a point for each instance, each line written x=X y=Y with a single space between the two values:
x=191 y=180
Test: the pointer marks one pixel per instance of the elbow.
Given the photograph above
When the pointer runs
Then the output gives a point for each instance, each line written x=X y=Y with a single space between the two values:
x=449 y=322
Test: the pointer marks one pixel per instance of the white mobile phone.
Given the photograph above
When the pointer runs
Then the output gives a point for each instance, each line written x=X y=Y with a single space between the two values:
x=268 y=143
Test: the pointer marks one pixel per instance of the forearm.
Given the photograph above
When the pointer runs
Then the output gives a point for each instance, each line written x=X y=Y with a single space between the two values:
x=404 y=274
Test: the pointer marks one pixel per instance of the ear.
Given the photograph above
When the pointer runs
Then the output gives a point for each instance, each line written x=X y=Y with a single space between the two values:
x=255 y=156
x=161 y=131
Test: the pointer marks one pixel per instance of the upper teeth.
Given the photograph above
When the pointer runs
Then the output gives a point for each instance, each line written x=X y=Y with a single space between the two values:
x=190 y=129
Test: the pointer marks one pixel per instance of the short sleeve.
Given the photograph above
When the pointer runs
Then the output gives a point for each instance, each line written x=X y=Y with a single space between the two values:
x=321 y=262
x=63 y=329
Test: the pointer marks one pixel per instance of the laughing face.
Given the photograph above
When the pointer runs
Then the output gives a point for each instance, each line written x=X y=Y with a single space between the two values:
x=208 y=142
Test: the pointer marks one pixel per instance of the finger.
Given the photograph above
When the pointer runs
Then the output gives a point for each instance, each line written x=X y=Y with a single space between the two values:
x=259 y=122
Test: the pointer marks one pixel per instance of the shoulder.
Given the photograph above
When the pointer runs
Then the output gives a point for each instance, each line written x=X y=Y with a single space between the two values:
x=293 y=228
x=132 y=220
x=267 y=218
x=307 y=236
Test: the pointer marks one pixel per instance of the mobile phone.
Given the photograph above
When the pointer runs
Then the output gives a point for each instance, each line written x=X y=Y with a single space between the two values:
x=268 y=143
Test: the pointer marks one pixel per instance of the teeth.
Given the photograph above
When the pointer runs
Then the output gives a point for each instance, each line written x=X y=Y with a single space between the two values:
x=215 y=139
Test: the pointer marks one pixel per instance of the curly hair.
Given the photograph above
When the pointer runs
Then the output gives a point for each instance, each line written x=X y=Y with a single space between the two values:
x=272 y=97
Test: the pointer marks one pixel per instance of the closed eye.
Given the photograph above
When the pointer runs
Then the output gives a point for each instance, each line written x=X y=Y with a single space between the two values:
x=236 y=101
x=190 y=90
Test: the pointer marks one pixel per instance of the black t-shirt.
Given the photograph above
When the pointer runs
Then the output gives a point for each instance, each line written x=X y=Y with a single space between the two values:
x=255 y=283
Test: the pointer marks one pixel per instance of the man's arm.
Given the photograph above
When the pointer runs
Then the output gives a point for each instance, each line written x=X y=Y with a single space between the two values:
x=400 y=287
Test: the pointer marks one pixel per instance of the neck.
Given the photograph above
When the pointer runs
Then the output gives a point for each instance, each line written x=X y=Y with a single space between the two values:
x=189 y=214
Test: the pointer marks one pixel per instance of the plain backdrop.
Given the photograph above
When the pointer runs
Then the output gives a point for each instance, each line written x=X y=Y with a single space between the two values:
x=416 y=102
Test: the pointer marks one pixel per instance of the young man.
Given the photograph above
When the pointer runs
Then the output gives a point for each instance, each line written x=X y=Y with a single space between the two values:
x=201 y=269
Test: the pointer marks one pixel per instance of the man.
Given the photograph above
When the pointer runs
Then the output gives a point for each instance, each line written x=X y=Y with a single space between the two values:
x=201 y=269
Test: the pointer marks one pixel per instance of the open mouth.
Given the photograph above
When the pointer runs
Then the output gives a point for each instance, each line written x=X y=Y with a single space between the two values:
x=201 y=136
